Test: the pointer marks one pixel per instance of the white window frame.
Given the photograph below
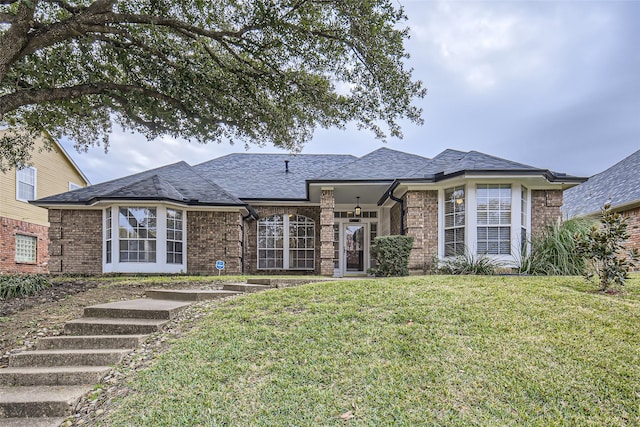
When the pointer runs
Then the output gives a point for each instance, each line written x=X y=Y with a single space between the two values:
x=21 y=179
x=175 y=235
x=160 y=265
x=455 y=214
x=500 y=225
x=20 y=248
x=285 y=236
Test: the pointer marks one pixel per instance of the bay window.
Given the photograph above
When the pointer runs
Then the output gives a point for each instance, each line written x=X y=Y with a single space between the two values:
x=454 y=221
x=493 y=219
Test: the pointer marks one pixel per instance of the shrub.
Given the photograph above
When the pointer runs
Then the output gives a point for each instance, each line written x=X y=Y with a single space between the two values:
x=554 y=250
x=392 y=255
x=602 y=246
x=468 y=263
x=21 y=285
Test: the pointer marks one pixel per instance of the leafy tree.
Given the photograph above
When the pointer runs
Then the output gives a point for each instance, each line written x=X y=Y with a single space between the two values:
x=259 y=71
x=603 y=248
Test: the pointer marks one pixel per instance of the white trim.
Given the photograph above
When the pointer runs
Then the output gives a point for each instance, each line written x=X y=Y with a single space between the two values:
x=74 y=186
x=35 y=184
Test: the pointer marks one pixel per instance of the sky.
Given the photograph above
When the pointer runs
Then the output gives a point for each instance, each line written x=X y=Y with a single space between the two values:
x=552 y=84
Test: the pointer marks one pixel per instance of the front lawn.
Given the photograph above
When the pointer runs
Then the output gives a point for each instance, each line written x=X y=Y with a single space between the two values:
x=435 y=350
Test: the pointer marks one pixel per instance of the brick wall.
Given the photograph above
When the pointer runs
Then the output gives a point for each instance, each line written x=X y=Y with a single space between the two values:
x=251 y=238
x=9 y=228
x=75 y=241
x=421 y=223
x=633 y=228
x=213 y=236
x=545 y=209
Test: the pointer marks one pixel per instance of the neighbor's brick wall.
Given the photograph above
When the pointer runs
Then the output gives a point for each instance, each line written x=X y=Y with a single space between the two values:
x=251 y=237
x=421 y=223
x=213 y=236
x=8 y=230
x=75 y=241
x=545 y=209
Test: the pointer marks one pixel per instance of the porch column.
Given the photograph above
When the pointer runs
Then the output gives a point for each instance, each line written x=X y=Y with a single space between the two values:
x=327 y=205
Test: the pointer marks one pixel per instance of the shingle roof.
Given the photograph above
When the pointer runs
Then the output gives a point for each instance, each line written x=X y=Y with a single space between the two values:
x=263 y=176
x=381 y=164
x=176 y=182
x=618 y=185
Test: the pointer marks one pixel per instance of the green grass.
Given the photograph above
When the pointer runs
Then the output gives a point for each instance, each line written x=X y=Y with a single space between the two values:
x=437 y=350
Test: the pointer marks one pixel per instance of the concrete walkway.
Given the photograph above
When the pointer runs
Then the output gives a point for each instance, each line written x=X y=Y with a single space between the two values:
x=41 y=387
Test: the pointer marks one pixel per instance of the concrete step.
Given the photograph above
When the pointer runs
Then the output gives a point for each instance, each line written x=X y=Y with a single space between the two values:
x=57 y=375
x=188 y=294
x=99 y=326
x=39 y=401
x=245 y=287
x=91 y=357
x=66 y=342
x=143 y=308
x=260 y=281
x=31 y=422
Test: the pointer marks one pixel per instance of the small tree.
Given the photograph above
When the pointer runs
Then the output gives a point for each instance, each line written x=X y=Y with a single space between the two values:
x=392 y=255
x=602 y=247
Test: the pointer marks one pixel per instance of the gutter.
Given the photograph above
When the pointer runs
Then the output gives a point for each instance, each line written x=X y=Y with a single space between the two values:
x=395 y=199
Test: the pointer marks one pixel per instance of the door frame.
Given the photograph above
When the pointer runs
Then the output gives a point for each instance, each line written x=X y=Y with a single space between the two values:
x=342 y=270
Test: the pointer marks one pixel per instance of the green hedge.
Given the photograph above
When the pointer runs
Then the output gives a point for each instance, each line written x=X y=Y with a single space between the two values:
x=21 y=285
x=391 y=254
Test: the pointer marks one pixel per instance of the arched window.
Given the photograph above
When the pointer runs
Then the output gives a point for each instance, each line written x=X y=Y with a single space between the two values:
x=286 y=242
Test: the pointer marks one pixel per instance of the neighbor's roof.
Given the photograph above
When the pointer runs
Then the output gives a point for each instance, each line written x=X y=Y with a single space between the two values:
x=264 y=176
x=177 y=182
x=619 y=185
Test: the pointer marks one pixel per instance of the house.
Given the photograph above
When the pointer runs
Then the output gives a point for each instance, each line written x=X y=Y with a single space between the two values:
x=306 y=213
x=24 y=236
x=619 y=186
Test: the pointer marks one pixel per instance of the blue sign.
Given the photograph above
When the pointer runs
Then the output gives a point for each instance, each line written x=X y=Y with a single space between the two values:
x=220 y=265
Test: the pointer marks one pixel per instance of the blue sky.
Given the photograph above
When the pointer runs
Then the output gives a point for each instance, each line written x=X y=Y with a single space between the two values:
x=553 y=84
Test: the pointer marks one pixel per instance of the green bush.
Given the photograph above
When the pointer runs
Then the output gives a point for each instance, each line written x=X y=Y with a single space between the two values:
x=467 y=263
x=603 y=248
x=391 y=254
x=554 y=250
x=21 y=285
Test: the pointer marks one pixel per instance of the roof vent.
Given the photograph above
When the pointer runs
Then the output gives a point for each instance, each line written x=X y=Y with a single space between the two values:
x=286 y=166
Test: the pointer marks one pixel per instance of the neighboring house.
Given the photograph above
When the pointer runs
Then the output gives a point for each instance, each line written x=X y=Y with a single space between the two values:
x=23 y=227
x=619 y=186
x=316 y=214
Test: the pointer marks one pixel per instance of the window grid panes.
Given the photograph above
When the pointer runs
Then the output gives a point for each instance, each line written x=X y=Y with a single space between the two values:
x=26 y=248
x=373 y=233
x=301 y=243
x=174 y=236
x=351 y=214
x=523 y=218
x=26 y=184
x=109 y=230
x=137 y=233
x=454 y=221
x=271 y=242
x=336 y=246
x=494 y=208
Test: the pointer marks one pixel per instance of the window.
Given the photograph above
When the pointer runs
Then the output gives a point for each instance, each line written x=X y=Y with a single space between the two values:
x=26 y=184
x=454 y=221
x=174 y=236
x=336 y=246
x=73 y=186
x=286 y=242
x=494 y=219
x=109 y=228
x=301 y=243
x=26 y=249
x=137 y=232
x=523 y=218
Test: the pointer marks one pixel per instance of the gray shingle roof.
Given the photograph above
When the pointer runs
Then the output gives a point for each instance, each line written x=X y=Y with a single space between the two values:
x=619 y=185
x=263 y=176
x=381 y=164
x=176 y=182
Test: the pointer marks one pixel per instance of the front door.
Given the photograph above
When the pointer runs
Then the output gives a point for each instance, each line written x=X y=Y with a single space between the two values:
x=354 y=248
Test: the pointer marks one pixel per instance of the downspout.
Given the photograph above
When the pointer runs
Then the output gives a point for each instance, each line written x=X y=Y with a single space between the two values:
x=395 y=199
x=242 y=243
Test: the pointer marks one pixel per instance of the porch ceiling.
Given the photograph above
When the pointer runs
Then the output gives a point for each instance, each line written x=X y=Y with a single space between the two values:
x=346 y=193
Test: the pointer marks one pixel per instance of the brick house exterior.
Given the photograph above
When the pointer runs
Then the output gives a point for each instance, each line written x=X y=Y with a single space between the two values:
x=304 y=214
x=618 y=186
x=24 y=228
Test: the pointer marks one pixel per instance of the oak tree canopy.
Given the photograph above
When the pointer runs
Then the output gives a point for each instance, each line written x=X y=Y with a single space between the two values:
x=251 y=71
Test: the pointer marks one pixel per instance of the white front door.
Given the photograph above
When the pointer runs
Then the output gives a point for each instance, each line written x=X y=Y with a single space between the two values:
x=354 y=249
